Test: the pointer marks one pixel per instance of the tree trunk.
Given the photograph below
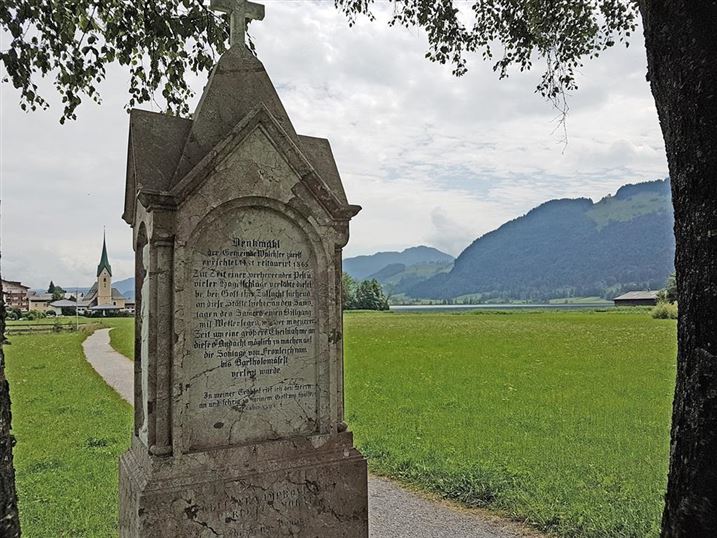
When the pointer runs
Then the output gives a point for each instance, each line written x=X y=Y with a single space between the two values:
x=681 y=42
x=9 y=521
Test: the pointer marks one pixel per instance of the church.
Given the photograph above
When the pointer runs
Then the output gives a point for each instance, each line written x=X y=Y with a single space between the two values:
x=102 y=297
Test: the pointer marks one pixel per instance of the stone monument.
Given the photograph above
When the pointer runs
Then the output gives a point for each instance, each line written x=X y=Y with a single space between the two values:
x=238 y=227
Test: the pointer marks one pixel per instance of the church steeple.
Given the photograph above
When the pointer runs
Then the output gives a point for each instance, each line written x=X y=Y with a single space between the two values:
x=104 y=262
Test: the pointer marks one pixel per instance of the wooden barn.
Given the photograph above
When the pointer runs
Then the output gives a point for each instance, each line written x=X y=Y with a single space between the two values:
x=637 y=298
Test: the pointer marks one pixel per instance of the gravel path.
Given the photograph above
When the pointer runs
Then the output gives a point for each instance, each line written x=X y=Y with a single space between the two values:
x=116 y=369
x=394 y=512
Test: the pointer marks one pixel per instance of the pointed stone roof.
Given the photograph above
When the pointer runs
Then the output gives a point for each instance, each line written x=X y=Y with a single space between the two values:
x=104 y=262
x=237 y=85
x=166 y=152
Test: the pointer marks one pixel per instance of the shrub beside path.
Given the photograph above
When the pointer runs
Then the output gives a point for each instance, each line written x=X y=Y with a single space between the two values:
x=394 y=512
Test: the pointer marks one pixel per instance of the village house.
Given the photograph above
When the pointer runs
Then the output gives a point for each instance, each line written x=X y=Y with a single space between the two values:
x=39 y=301
x=14 y=295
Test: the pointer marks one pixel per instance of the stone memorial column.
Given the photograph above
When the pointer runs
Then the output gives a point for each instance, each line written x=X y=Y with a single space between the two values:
x=239 y=224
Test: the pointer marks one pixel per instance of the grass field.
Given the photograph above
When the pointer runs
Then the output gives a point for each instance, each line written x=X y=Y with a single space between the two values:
x=557 y=418
x=122 y=335
x=70 y=429
x=560 y=419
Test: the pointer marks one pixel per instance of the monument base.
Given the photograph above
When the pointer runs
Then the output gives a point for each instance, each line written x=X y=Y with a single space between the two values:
x=308 y=487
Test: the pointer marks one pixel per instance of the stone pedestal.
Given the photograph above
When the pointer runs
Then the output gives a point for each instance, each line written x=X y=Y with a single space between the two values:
x=281 y=488
x=239 y=223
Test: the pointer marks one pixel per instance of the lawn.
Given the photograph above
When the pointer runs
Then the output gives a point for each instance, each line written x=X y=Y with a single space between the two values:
x=51 y=320
x=557 y=418
x=122 y=335
x=70 y=429
x=560 y=419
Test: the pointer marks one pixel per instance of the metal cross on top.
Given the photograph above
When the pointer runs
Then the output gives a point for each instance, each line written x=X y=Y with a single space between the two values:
x=241 y=12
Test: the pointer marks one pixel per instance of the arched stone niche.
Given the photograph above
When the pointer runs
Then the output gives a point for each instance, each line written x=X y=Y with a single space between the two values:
x=141 y=334
x=254 y=365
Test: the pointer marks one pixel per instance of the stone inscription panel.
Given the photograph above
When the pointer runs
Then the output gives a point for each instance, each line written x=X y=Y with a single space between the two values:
x=250 y=366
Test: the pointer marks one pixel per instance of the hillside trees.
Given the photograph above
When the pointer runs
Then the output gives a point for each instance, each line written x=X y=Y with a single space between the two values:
x=369 y=296
x=56 y=291
x=365 y=295
x=669 y=293
x=348 y=290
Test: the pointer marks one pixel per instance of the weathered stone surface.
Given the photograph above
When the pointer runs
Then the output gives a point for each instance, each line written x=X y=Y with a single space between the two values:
x=280 y=489
x=239 y=355
x=236 y=86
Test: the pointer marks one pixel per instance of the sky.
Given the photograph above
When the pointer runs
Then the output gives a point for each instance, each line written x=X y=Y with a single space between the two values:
x=432 y=159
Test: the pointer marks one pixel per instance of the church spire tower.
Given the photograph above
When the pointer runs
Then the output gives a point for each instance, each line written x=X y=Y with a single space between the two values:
x=104 y=277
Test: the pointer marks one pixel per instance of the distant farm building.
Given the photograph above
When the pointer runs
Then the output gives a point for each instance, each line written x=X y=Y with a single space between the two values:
x=637 y=298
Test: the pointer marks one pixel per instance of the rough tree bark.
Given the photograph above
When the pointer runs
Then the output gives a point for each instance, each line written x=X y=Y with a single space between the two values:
x=9 y=521
x=681 y=42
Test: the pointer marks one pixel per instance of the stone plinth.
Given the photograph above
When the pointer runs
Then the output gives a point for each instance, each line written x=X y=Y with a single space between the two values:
x=282 y=488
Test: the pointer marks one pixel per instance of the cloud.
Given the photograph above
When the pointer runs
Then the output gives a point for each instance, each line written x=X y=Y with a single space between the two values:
x=431 y=158
x=449 y=233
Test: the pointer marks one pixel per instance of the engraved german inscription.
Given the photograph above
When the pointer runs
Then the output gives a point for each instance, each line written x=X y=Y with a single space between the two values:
x=252 y=328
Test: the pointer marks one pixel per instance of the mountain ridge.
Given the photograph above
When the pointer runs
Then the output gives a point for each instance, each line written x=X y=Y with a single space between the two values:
x=362 y=267
x=567 y=247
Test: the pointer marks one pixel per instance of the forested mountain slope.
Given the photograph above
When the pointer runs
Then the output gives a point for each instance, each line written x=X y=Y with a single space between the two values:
x=566 y=248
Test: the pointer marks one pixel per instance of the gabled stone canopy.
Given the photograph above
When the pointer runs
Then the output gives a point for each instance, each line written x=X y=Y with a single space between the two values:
x=261 y=118
x=154 y=148
x=164 y=149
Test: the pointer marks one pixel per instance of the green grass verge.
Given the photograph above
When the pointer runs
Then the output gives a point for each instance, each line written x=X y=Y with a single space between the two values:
x=122 y=335
x=62 y=320
x=70 y=429
x=557 y=418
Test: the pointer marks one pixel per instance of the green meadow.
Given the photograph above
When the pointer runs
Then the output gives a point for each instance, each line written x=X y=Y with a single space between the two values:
x=122 y=335
x=70 y=429
x=559 y=419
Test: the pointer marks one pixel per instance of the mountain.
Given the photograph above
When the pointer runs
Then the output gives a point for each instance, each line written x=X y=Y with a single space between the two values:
x=125 y=287
x=398 y=278
x=568 y=247
x=362 y=267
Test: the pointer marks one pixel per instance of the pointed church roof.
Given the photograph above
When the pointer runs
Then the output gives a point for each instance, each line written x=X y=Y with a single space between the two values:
x=104 y=262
